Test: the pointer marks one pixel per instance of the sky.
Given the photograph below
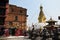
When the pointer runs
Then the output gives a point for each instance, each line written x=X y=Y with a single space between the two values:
x=51 y=8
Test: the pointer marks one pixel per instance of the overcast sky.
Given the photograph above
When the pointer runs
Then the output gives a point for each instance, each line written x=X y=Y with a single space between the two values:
x=51 y=8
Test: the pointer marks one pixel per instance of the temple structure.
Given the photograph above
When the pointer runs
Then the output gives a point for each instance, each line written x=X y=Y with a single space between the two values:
x=16 y=17
x=51 y=24
x=51 y=31
x=12 y=15
x=41 y=18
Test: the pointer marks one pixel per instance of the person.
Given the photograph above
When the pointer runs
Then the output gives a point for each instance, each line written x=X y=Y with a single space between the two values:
x=24 y=32
x=18 y=32
x=6 y=32
x=12 y=31
x=1 y=31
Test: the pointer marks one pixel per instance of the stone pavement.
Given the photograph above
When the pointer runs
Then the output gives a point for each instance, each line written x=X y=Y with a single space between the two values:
x=14 y=38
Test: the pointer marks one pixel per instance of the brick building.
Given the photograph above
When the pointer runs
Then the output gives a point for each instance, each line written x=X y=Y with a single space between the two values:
x=3 y=8
x=16 y=17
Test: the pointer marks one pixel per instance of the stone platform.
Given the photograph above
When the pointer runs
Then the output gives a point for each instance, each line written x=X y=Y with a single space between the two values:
x=14 y=38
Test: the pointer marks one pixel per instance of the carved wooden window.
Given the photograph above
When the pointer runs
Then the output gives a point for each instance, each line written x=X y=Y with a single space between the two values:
x=1 y=20
x=12 y=9
x=2 y=11
x=10 y=23
x=2 y=3
x=21 y=12
x=16 y=18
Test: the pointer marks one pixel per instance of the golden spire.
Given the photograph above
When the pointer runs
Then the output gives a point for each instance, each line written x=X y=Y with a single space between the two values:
x=41 y=17
x=41 y=8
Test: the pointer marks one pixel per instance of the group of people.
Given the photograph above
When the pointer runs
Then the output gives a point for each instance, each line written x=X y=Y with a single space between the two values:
x=45 y=34
x=12 y=32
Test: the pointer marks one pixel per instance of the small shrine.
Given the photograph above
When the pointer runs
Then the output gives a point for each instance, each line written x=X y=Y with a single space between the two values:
x=51 y=31
x=51 y=24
